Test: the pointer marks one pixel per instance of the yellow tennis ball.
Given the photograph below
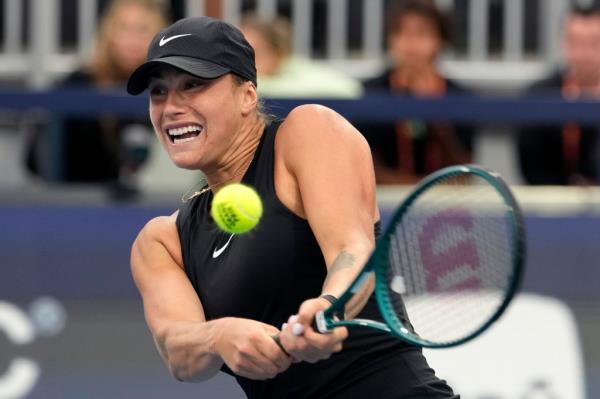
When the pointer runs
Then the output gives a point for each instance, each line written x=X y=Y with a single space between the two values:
x=236 y=208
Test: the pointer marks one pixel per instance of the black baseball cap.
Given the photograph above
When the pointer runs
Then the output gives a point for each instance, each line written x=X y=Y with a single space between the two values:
x=201 y=46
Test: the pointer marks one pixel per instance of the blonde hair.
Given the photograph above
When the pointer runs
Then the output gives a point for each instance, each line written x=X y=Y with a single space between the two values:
x=276 y=32
x=261 y=110
x=102 y=64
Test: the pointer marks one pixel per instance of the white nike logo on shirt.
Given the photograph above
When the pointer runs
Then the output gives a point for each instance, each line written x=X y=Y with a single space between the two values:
x=164 y=41
x=219 y=251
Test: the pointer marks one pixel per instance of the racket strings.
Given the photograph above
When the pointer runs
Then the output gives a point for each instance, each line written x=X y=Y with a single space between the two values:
x=451 y=259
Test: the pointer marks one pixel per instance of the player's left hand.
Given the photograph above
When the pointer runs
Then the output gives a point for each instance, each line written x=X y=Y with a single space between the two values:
x=310 y=345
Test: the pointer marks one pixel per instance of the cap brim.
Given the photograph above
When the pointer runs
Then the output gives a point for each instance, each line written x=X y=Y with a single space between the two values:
x=139 y=79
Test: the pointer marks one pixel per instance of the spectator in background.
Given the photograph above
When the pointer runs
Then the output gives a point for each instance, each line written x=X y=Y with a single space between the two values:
x=563 y=155
x=101 y=149
x=407 y=150
x=281 y=74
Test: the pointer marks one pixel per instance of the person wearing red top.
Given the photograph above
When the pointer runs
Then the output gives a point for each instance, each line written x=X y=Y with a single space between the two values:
x=406 y=151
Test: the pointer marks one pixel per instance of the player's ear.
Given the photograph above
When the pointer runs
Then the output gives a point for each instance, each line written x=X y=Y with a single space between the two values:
x=249 y=98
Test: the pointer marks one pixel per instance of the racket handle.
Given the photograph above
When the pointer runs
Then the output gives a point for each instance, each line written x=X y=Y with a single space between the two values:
x=318 y=324
x=277 y=340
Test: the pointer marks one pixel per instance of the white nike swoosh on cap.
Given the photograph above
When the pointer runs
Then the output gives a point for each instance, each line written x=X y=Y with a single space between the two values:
x=219 y=251
x=164 y=41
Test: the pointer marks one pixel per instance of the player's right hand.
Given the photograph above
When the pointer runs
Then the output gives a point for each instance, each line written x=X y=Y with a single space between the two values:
x=305 y=344
x=248 y=349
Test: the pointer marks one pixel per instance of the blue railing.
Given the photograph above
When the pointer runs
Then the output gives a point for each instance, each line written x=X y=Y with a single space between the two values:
x=370 y=108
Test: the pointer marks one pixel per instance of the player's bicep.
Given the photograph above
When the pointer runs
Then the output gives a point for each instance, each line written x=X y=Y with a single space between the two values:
x=333 y=168
x=166 y=291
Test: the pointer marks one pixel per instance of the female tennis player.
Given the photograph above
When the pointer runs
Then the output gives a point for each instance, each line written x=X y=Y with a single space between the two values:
x=215 y=301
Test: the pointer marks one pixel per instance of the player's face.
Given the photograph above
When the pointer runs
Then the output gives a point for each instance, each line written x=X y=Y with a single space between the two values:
x=415 y=43
x=194 y=118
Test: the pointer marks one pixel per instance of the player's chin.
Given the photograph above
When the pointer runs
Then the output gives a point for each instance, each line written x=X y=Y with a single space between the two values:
x=186 y=161
x=187 y=165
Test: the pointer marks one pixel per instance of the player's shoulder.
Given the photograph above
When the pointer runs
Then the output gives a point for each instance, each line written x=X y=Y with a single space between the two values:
x=161 y=229
x=316 y=124
x=312 y=114
x=158 y=233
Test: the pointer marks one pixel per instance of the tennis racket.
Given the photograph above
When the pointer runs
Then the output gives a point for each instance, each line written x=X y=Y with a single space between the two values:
x=448 y=264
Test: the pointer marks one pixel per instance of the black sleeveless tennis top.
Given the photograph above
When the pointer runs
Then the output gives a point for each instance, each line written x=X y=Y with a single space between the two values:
x=266 y=274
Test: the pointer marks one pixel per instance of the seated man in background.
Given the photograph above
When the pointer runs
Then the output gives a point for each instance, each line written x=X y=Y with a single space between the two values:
x=282 y=74
x=567 y=155
x=98 y=150
x=406 y=151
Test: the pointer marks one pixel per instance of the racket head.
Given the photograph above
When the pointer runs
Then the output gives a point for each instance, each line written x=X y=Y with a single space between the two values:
x=445 y=212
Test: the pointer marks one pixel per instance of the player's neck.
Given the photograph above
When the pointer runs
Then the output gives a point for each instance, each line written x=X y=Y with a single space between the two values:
x=239 y=158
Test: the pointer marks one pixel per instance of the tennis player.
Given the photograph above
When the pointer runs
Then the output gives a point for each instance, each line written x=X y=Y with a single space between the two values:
x=216 y=301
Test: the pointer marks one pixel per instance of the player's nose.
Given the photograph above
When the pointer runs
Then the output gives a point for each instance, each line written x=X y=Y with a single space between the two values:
x=174 y=103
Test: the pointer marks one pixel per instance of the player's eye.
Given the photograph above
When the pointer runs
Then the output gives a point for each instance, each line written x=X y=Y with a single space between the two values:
x=156 y=91
x=193 y=83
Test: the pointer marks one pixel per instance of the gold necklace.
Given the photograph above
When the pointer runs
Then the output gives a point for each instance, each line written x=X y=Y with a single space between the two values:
x=191 y=193
x=187 y=196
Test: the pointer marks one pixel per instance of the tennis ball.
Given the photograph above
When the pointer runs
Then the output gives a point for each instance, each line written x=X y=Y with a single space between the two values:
x=236 y=208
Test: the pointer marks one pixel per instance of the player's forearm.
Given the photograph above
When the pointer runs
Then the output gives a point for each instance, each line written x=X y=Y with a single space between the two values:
x=188 y=349
x=342 y=273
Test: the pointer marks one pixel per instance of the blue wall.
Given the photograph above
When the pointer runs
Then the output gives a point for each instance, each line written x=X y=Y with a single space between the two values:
x=79 y=253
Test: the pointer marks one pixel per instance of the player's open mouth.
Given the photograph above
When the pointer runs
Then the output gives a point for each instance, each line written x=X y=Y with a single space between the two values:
x=184 y=133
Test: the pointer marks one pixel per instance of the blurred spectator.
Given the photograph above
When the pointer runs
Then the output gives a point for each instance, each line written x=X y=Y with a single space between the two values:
x=106 y=148
x=404 y=152
x=562 y=155
x=281 y=74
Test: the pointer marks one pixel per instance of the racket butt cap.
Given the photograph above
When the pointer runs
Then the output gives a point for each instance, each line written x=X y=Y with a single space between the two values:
x=321 y=323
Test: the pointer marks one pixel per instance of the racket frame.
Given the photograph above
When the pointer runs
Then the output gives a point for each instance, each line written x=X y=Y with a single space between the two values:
x=378 y=264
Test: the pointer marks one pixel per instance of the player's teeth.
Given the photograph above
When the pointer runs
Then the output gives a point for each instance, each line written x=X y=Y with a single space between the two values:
x=184 y=130
x=183 y=140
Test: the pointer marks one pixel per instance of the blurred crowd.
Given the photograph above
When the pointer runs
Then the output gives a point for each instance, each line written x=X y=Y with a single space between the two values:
x=111 y=150
x=106 y=149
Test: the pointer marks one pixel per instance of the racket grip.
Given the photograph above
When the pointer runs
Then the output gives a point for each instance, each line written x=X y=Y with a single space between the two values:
x=318 y=324
x=277 y=340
